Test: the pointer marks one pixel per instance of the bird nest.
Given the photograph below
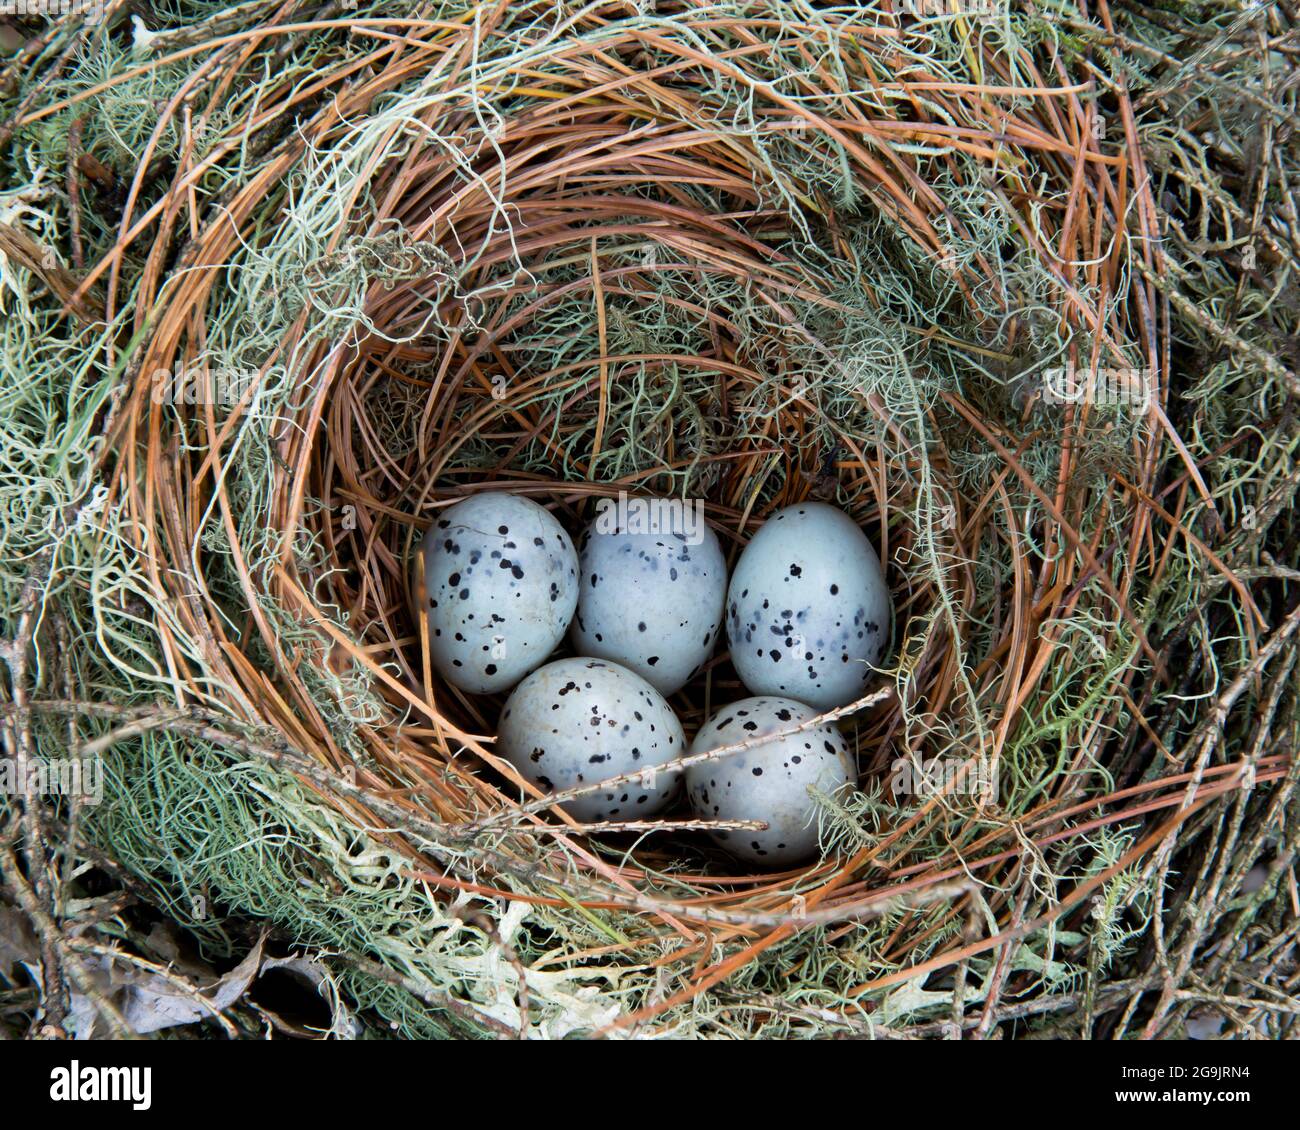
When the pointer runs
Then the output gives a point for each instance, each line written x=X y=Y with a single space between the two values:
x=744 y=254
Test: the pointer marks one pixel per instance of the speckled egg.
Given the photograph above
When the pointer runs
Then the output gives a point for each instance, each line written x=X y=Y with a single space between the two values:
x=769 y=782
x=501 y=585
x=578 y=721
x=650 y=601
x=808 y=612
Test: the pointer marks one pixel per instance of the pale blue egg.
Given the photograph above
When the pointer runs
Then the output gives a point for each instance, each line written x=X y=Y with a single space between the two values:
x=651 y=601
x=769 y=782
x=576 y=722
x=808 y=611
x=501 y=586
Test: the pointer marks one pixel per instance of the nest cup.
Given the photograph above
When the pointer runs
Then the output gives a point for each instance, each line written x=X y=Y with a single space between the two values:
x=620 y=262
x=414 y=421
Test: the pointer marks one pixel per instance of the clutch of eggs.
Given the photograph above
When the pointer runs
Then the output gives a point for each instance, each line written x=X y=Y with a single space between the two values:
x=807 y=615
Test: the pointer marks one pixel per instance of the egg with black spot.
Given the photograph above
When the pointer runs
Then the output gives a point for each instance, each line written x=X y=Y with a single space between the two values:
x=501 y=586
x=770 y=781
x=808 y=612
x=651 y=601
x=578 y=722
